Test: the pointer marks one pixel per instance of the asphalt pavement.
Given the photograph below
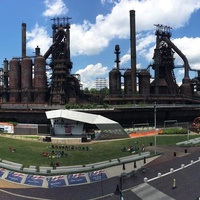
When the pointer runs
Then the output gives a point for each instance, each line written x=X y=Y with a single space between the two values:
x=131 y=184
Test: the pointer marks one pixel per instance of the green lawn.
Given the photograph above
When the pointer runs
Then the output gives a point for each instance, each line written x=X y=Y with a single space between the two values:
x=29 y=152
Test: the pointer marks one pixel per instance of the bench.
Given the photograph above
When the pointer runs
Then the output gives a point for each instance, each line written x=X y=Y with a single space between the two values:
x=102 y=165
x=43 y=171
x=12 y=163
x=29 y=170
x=130 y=159
x=99 y=163
x=32 y=167
x=145 y=154
x=106 y=164
x=78 y=169
x=66 y=167
x=58 y=171
x=114 y=161
x=10 y=167
x=131 y=156
x=134 y=157
x=45 y=168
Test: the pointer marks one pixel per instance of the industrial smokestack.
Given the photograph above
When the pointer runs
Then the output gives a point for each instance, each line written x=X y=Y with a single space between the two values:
x=23 y=40
x=5 y=64
x=37 y=51
x=5 y=77
x=117 y=52
x=133 y=50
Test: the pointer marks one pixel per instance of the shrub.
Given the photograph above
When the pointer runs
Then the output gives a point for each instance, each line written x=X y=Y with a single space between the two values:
x=175 y=131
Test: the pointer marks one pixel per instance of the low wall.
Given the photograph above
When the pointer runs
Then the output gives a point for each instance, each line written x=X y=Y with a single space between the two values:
x=66 y=140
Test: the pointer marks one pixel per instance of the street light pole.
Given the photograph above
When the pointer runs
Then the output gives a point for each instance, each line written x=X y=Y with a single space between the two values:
x=155 y=126
x=101 y=183
x=119 y=189
x=188 y=131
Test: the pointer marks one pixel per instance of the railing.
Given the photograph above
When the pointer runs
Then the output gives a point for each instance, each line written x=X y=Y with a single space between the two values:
x=47 y=170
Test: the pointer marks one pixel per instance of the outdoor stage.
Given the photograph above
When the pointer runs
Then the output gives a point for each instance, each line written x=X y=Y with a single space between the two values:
x=66 y=140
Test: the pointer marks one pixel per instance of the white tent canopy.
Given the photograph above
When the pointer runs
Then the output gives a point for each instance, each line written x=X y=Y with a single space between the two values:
x=104 y=124
x=79 y=116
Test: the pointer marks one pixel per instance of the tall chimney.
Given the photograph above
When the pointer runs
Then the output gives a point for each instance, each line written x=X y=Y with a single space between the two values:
x=133 y=50
x=117 y=52
x=23 y=40
x=37 y=51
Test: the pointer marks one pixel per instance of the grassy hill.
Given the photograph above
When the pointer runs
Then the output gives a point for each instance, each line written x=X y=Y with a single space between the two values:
x=29 y=151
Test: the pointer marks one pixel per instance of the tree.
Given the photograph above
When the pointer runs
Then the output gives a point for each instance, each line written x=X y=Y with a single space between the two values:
x=93 y=91
x=104 y=91
x=86 y=90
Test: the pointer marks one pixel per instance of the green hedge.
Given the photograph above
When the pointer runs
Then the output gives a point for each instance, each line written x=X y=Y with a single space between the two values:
x=175 y=131
x=85 y=106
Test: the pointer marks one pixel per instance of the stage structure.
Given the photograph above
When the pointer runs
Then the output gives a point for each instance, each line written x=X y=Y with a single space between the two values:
x=70 y=123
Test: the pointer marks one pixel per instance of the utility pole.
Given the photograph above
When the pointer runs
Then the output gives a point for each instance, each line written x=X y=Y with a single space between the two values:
x=155 y=126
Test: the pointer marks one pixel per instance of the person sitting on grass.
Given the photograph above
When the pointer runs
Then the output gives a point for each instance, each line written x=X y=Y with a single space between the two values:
x=57 y=164
x=12 y=150
x=143 y=148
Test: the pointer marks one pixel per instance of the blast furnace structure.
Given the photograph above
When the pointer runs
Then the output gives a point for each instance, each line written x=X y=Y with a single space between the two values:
x=24 y=79
x=140 y=86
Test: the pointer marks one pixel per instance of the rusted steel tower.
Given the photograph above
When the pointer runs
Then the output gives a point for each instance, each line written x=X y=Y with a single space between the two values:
x=133 y=50
x=64 y=87
x=165 y=81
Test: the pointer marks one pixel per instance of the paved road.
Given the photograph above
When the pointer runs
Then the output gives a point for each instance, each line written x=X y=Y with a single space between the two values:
x=187 y=181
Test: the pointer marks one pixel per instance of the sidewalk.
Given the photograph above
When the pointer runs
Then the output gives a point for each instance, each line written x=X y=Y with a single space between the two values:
x=129 y=167
x=51 y=181
x=123 y=169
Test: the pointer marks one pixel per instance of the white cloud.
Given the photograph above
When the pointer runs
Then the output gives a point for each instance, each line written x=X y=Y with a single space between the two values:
x=91 y=72
x=38 y=36
x=54 y=8
x=124 y=59
x=163 y=12
x=190 y=47
x=144 y=42
x=92 y=38
x=86 y=40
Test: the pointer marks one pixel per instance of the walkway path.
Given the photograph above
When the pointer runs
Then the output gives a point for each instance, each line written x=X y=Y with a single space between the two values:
x=162 y=186
x=51 y=181
x=147 y=192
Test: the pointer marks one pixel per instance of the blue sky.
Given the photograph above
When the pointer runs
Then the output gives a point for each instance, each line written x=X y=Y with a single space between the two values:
x=97 y=26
